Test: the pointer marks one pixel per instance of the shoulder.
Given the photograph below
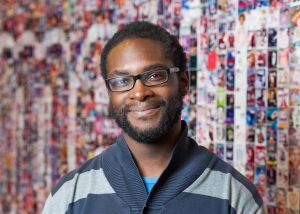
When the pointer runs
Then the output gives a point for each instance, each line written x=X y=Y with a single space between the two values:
x=87 y=179
x=220 y=180
x=90 y=165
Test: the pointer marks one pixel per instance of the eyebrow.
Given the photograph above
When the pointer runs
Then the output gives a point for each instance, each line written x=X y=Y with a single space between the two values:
x=147 y=68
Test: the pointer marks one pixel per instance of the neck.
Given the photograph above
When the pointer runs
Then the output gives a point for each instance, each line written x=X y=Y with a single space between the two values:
x=153 y=158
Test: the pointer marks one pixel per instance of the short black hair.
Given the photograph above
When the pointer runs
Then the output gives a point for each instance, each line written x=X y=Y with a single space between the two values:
x=142 y=29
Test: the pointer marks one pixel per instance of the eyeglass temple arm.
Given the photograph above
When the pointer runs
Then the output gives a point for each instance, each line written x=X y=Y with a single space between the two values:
x=174 y=70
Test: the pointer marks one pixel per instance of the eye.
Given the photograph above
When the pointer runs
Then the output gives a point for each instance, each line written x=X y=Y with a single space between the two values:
x=156 y=76
x=120 y=82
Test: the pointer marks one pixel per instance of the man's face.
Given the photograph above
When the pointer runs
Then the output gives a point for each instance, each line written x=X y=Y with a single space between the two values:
x=145 y=113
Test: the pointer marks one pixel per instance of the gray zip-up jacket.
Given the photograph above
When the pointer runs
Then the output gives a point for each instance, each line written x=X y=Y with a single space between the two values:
x=195 y=181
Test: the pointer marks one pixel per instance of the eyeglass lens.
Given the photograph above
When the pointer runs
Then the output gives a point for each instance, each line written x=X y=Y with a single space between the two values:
x=150 y=78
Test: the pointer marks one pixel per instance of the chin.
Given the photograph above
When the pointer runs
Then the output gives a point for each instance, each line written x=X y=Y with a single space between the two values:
x=145 y=124
x=146 y=132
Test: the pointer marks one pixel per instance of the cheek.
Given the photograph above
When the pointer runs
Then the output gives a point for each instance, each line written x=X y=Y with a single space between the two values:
x=117 y=101
x=168 y=95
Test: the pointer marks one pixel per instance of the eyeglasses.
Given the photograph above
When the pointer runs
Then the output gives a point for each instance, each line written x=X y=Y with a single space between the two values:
x=149 y=78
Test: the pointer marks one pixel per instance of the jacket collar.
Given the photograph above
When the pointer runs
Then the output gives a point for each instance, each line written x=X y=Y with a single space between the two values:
x=182 y=170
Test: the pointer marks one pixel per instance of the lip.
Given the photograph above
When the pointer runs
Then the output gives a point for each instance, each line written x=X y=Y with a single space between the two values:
x=143 y=108
x=144 y=112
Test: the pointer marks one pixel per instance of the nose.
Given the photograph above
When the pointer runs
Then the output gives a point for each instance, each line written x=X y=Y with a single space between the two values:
x=140 y=92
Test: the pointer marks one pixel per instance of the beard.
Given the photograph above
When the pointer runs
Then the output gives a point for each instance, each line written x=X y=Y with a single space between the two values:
x=170 y=115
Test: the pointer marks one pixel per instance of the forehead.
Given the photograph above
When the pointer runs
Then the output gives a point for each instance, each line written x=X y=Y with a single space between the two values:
x=136 y=53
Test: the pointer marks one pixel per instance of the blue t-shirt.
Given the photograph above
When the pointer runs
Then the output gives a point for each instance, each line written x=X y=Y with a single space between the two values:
x=149 y=183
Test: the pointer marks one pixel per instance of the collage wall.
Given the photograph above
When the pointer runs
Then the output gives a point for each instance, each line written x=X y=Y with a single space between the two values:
x=248 y=93
x=243 y=104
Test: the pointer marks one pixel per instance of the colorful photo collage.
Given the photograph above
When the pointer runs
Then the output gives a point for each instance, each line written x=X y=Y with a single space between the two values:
x=216 y=78
x=249 y=115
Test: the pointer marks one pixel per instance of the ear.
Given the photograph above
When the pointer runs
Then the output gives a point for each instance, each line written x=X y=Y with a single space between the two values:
x=184 y=82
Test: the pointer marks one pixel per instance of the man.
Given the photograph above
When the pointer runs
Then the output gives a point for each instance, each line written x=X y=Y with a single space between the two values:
x=154 y=167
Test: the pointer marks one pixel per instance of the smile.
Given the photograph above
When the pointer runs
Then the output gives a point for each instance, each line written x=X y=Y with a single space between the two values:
x=144 y=112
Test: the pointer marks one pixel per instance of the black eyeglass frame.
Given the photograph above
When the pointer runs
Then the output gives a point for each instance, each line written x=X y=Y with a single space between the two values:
x=140 y=76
